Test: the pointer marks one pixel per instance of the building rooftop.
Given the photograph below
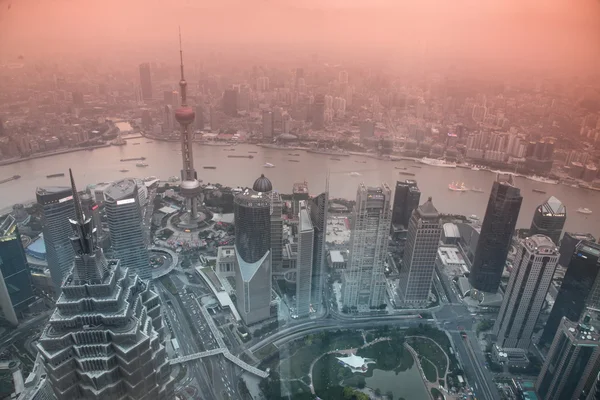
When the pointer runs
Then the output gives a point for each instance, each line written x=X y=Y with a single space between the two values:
x=300 y=187
x=541 y=243
x=552 y=206
x=451 y=230
x=122 y=189
x=52 y=190
x=262 y=184
x=337 y=256
x=427 y=210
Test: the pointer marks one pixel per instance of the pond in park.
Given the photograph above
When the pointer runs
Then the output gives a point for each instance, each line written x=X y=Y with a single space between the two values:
x=406 y=384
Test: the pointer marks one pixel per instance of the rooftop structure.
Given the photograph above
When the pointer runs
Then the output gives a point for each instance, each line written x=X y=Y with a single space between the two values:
x=549 y=219
x=262 y=184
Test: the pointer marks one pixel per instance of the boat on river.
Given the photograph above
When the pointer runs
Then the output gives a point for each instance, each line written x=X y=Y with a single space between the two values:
x=584 y=210
x=437 y=163
x=458 y=187
x=269 y=165
x=55 y=175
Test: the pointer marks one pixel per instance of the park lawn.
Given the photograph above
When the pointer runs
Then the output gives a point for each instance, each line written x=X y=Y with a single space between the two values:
x=430 y=351
x=429 y=370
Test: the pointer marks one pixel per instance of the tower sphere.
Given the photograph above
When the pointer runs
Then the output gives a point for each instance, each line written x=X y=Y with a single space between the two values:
x=185 y=115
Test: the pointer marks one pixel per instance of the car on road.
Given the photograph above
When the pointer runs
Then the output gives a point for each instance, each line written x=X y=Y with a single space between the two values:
x=463 y=334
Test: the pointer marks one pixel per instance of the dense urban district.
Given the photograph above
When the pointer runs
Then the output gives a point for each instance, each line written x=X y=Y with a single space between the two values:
x=149 y=288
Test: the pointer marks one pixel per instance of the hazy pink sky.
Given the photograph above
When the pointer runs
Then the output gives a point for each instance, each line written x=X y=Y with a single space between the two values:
x=556 y=32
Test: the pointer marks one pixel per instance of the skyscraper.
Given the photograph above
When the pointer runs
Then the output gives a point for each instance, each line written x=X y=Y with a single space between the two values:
x=318 y=112
x=304 y=263
x=576 y=288
x=549 y=219
x=318 y=215
x=534 y=266
x=276 y=230
x=267 y=123
x=105 y=339
x=363 y=283
x=230 y=102
x=418 y=264
x=595 y=390
x=200 y=121
x=124 y=215
x=16 y=292
x=252 y=212
x=568 y=243
x=571 y=365
x=57 y=209
x=496 y=234
x=406 y=198
x=146 y=81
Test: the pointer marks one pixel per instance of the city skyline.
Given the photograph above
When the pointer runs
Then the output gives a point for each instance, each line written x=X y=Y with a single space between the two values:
x=250 y=222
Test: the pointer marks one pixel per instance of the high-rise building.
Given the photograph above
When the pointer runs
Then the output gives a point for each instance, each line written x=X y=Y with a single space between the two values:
x=318 y=112
x=146 y=81
x=105 y=339
x=496 y=234
x=571 y=366
x=57 y=209
x=16 y=292
x=299 y=192
x=318 y=215
x=230 y=102
x=200 y=121
x=595 y=390
x=367 y=129
x=267 y=123
x=406 y=199
x=77 y=99
x=263 y=185
x=168 y=118
x=343 y=76
x=363 y=283
x=124 y=215
x=418 y=264
x=252 y=212
x=549 y=219
x=576 y=288
x=568 y=243
x=304 y=263
x=534 y=266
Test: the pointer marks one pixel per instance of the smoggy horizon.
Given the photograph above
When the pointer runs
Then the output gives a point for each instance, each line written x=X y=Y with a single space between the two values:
x=554 y=35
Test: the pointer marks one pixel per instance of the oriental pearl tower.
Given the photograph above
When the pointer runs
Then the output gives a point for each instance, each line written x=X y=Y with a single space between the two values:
x=190 y=186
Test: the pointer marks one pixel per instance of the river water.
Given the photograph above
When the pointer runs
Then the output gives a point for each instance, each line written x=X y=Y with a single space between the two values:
x=101 y=165
x=406 y=384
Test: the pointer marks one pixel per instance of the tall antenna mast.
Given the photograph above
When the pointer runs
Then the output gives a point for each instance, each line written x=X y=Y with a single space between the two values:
x=76 y=202
x=182 y=82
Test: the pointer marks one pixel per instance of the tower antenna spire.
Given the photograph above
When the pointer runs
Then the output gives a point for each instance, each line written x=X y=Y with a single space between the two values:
x=182 y=82
x=76 y=202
